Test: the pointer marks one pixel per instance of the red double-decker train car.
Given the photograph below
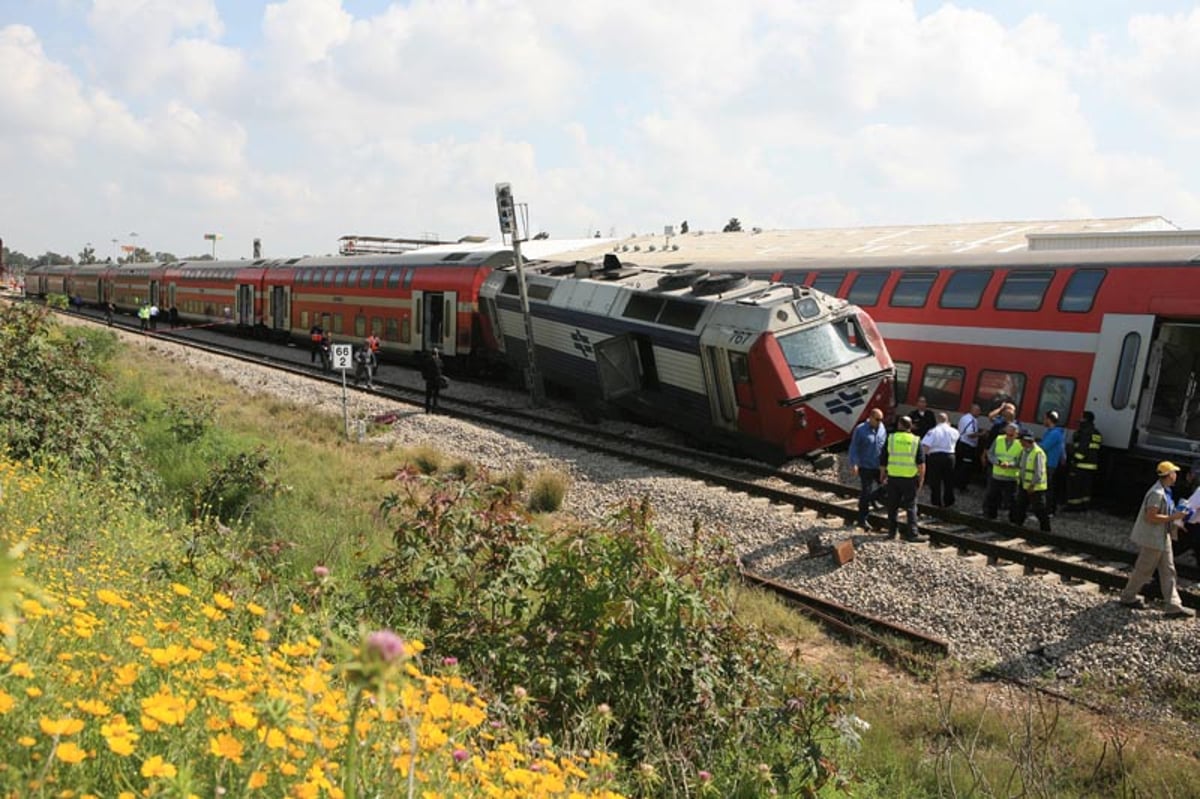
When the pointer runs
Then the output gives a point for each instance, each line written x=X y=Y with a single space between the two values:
x=412 y=301
x=1115 y=331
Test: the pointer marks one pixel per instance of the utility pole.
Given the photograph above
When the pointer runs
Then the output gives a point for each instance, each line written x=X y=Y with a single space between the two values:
x=506 y=209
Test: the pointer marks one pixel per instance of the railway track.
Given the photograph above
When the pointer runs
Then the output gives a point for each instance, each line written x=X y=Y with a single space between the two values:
x=999 y=544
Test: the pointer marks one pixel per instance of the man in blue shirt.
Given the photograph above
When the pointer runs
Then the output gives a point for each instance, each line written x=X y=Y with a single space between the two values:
x=1055 y=447
x=866 y=443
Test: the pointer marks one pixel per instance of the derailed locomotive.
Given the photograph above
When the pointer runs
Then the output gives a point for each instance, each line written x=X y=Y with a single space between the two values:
x=770 y=370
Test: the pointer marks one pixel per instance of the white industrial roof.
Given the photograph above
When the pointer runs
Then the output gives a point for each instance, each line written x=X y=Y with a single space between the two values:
x=895 y=240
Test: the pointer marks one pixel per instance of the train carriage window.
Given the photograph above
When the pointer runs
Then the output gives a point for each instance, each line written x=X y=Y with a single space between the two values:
x=408 y=277
x=996 y=386
x=352 y=279
x=912 y=289
x=539 y=291
x=829 y=282
x=337 y=323
x=866 y=287
x=304 y=320
x=1126 y=364
x=942 y=386
x=406 y=330
x=1081 y=290
x=1023 y=290
x=681 y=314
x=360 y=326
x=380 y=277
x=377 y=325
x=328 y=281
x=365 y=281
x=389 y=331
x=1057 y=394
x=642 y=307
x=394 y=278
x=339 y=279
x=903 y=375
x=795 y=276
x=965 y=288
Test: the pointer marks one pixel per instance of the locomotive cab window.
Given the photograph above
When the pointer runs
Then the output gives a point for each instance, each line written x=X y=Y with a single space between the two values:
x=996 y=386
x=824 y=347
x=942 y=386
x=965 y=288
x=1081 y=290
x=912 y=289
x=829 y=282
x=866 y=288
x=1023 y=291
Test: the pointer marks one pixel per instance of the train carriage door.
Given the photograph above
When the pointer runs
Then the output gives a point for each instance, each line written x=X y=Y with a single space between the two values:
x=279 y=307
x=1122 y=351
x=617 y=366
x=170 y=295
x=449 y=336
x=719 y=380
x=154 y=293
x=1169 y=407
x=418 y=303
x=244 y=304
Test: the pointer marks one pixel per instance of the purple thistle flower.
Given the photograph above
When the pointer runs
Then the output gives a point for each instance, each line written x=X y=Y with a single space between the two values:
x=460 y=755
x=321 y=571
x=385 y=645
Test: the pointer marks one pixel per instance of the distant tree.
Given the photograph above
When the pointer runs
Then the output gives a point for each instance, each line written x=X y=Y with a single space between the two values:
x=88 y=255
x=165 y=257
x=733 y=226
x=51 y=257
x=141 y=256
x=16 y=260
x=597 y=234
x=205 y=257
x=683 y=227
x=541 y=236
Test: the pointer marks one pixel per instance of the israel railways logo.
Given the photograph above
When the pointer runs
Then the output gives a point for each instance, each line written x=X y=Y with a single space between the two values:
x=845 y=402
x=580 y=340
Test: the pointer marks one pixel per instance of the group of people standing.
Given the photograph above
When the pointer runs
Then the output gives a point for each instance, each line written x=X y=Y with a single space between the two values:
x=366 y=362
x=1023 y=476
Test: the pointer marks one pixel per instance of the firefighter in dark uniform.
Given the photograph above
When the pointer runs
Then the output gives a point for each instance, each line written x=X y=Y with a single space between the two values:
x=1083 y=463
x=903 y=463
x=315 y=334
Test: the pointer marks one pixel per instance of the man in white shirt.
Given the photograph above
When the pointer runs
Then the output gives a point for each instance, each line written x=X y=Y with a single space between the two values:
x=939 y=445
x=966 y=451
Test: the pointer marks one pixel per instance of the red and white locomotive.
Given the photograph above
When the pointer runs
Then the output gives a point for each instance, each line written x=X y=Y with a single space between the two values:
x=774 y=371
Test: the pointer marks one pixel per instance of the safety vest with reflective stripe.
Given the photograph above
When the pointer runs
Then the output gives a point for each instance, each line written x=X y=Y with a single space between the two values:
x=1006 y=453
x=902 y=454
x=1030 y=470
x=1087 y=452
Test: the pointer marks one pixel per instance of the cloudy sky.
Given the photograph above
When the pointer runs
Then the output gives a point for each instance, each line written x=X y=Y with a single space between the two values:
x=303 y=120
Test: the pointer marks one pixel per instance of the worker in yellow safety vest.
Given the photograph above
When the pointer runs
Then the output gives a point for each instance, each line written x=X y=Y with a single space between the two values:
x=903 y=463
x=1032 y=481
x=1002 y=482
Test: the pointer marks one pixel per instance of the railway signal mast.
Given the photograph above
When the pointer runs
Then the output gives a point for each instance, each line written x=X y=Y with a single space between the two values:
x=506 y=209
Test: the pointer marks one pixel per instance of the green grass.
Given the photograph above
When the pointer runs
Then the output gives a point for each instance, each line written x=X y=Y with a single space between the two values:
x=924 y=740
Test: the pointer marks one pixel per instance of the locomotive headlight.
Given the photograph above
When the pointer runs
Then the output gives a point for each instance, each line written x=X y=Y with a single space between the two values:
x=799 y=419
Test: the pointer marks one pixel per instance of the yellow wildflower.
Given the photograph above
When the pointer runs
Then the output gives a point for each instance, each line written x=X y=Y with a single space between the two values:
x=257 y=780
x=110 y=597
x=69 y=752
x=181 y=590
x=93 y=707
x=255 y=610
x=155 y=767
x=59 y=727
x=6 y=703
x=223 y=602
x=226 y=746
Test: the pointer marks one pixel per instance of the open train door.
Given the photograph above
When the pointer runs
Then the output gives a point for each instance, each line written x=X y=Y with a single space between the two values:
x=1113 y=393
x=617 y=366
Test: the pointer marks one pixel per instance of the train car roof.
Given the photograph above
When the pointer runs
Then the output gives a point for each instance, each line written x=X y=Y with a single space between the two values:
x=1115 y=256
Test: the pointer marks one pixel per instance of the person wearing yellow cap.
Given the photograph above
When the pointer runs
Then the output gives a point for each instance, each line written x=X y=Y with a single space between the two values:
x=1152 y=532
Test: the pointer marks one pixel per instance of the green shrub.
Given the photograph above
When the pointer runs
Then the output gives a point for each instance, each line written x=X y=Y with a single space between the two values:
x=427 y=460
x=463 y=469
x=55 y=406
x=547 y=492
x=604 y=616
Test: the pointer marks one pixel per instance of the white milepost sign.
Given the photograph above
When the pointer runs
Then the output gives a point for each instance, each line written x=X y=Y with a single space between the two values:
x=342 y=357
